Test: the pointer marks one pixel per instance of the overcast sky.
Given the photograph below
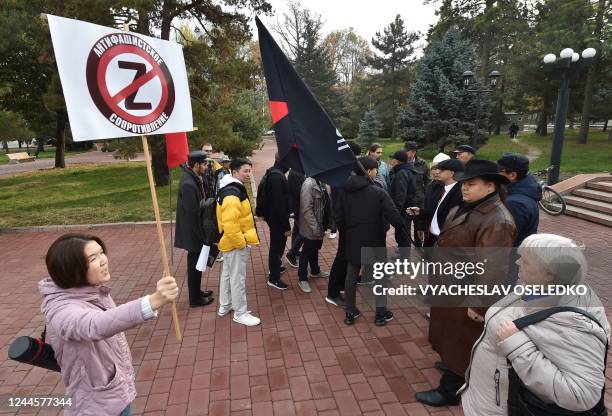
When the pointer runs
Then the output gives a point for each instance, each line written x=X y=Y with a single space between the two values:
x=365 y=16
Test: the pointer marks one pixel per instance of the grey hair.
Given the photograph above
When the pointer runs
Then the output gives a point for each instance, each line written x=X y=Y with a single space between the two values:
x=559 y=256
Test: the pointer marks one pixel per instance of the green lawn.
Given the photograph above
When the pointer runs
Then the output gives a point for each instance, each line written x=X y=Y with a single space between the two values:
x=102 y=193
x=595 y=156
x=47 y=154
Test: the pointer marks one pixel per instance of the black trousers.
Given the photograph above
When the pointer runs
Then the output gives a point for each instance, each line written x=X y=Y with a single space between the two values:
x=350 y=290
x=402 y=236
x=296 y=239
x=337 y=274
x=194 y=276
x=309 y=256
x=278 y=239
x=450 y=383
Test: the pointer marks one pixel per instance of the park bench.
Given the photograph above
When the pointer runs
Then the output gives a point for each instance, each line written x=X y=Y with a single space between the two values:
x=20 y=157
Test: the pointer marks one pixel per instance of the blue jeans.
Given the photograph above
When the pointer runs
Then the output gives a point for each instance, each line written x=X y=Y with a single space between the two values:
x=127 y=411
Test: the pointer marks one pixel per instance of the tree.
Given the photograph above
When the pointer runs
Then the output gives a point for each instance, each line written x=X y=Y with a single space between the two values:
x=348 y=53
x=369 y=128
x=600 y=37
x=13 y=127
x=440 y=111
x=312 y=59
x=395 y=49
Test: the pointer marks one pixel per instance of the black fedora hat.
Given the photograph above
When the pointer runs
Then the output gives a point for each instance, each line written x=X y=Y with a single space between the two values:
x=485 y=169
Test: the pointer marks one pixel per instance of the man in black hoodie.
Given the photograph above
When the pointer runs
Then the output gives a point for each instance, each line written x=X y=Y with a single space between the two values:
x=277 y=218
x=189 y=235
x=361 y=212
x=403 y=193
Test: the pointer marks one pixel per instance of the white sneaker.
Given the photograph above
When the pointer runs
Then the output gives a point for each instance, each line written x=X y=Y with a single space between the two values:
x=223 y=312
x=305 y=286
x=332 y=236
x=247 y=319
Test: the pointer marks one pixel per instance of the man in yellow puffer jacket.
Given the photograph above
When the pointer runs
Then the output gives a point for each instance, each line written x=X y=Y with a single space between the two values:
x=237 y=225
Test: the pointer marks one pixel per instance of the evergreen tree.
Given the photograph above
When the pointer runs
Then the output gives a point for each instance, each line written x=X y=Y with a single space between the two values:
x=369 y=128
x=314 y=64
x=440 y=110
x=395 y=49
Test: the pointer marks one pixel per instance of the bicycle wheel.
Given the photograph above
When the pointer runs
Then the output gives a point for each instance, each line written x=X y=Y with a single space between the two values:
x=552 y=202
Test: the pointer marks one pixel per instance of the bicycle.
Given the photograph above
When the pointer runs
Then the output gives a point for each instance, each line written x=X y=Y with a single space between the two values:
x=552 y=202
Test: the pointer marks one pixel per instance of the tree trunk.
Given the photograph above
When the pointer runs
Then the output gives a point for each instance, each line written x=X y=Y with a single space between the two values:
x=19 y=143
x=572 y=122
x=60 y=137
x=161 y=174
x=605 y=128
x=541 y=129
x=610 y=136
x=590 y=81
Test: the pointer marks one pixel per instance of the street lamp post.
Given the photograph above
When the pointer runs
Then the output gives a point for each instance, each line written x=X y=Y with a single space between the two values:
x=468 y=78
x=565 y=70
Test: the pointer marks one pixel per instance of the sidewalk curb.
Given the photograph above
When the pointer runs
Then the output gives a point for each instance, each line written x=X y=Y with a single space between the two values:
x=51 y=228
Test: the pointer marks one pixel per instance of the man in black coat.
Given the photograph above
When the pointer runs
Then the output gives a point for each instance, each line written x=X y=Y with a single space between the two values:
x=337 y=273
x=188 y=232
x=449 y=198
x=361 y=212
x=403 y=194
x=277 y=218
x=294 y=182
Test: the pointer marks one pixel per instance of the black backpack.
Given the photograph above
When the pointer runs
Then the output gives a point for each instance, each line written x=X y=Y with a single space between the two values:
x=263 y=203
x=208 y=214
x=522 y=402
x=208 y=221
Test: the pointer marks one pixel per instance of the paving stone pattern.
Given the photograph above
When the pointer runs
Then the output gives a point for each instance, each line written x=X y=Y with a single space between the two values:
x=302 y=360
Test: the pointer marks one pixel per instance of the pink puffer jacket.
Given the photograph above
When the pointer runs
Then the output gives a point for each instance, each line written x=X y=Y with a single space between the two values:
x=90 y=346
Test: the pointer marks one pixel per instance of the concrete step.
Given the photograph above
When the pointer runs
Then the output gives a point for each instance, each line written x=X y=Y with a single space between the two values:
x=600 y=185
x=593 y=194
x=589 y=215
x=592 y=204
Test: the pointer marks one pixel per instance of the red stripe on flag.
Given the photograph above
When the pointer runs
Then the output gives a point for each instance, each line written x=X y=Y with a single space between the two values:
x=177 y=149
x=278 y=109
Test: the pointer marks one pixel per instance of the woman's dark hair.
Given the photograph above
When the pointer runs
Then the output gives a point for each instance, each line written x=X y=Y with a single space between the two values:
x=66 y=260
x=238 y=163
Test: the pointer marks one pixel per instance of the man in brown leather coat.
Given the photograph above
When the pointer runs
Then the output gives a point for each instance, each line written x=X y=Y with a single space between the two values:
x=480 y=221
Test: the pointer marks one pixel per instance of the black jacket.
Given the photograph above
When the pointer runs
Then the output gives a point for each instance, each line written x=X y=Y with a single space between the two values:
x=522 y=202
x=188 y=233
x=360 y=212
x=433 y=194
x=277 y=189
x=295 y=181
x=403 y=186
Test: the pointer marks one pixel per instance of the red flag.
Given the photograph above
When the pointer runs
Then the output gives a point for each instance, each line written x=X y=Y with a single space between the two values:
x=177 y=149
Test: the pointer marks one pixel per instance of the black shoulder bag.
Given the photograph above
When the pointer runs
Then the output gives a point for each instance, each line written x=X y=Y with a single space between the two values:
x=522 y=402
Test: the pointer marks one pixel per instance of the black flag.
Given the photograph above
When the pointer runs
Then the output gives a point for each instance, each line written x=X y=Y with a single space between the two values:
x=307 y=139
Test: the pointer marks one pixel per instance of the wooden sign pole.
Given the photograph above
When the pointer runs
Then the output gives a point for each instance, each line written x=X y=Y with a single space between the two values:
x=160 y=232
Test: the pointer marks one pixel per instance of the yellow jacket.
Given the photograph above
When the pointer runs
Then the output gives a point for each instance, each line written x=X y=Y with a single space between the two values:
x=235 y=217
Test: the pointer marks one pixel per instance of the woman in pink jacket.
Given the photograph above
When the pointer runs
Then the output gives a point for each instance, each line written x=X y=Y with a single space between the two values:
x=85 y=327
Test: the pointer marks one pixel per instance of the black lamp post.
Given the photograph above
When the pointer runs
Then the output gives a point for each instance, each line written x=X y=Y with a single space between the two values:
x=468 y=78
x=565 y=69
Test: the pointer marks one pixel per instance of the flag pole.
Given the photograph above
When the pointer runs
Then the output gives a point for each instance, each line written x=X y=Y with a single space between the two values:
x=170 y=207
x=160 y=232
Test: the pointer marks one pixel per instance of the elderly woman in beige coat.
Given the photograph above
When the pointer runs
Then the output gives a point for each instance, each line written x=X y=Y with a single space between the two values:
x=559 y=359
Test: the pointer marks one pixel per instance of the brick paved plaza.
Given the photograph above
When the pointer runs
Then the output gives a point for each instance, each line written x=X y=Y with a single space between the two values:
x=302 y=360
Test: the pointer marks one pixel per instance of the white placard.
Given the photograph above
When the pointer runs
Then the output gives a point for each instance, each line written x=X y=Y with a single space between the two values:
x=201 y=264
x=118 y=83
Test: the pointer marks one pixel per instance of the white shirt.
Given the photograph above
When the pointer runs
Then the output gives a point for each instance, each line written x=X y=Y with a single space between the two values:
x=435 y=228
